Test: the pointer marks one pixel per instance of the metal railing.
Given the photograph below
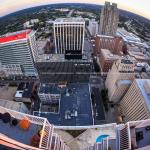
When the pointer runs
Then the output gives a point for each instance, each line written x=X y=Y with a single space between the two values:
x=47 y=128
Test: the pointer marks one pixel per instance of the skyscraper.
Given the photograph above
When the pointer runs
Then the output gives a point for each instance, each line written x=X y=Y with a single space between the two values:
x=109 y=19
x=93 y=27
x=18 y=52
x=135 y=105
x=119 y=79
x=69 y=37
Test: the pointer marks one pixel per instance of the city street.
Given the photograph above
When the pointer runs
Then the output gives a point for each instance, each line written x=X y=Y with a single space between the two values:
x=96 y=84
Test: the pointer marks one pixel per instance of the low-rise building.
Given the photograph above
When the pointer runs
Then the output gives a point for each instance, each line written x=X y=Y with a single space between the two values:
x=17 y=106
x=127 y=36
x=30 y=23
x=49 y=93
x=24 y=92
x=138 y=52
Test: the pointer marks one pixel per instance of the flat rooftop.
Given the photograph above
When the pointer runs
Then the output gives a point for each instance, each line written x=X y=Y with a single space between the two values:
x=15 y=36
x=16 y=133
x=139 y=55
x=68 y=20
x=24 y=136
x=126 y=61
x=17 y=106
x=78 y=100
x=49 y=88
x=105 y=36
x=109 y=55
x=7 y=92
x=24 y=90
x=61 y=58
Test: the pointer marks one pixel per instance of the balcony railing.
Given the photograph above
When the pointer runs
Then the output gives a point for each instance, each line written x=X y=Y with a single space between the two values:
x=46 y=127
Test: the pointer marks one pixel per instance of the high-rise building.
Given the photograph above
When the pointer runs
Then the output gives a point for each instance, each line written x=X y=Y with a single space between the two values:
x=114 y=44
x=36 y=133
x=69 y=37
x=93 y=27
x=18 y=52
x=109 y=19
x=133 y=135
x=119 y=79
x=135 y=105
x=106 y=60
x=29 y=132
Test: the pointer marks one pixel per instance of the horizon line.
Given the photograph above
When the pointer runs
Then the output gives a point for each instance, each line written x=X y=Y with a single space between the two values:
x=69 y=3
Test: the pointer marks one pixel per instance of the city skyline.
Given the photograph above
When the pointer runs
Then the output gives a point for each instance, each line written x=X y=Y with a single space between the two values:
x=73 y=77
x=9 y=6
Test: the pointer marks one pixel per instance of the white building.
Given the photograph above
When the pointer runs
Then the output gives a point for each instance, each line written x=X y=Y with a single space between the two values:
x=93 y=27
x=30 y=23
x=49 y=93
x=18 y=53
x=135 y=105
x=69 y=37
x=127 y=36
x=119 y=79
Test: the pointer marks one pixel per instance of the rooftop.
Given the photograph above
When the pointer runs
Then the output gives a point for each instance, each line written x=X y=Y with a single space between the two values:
x=61 y=58
x=23 y=137
x=89 y=137
x=138 y=55
x=24 y=90
x=105 y=36
x=126 y=61
x=127 y=36
x=17 y=134
x=69 y=20
x=49 y=88
x=14 y=36
x=109 y=55
x=17 y=106
x=123 y=82
x=75 y=107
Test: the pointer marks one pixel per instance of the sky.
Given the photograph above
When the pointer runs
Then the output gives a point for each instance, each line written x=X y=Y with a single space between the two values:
x=141 y=7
